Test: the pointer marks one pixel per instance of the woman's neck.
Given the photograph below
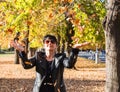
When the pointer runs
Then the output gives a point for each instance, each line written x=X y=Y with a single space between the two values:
x=50 y=55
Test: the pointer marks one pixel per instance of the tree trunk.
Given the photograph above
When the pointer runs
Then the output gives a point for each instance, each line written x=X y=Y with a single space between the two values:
x=26 y=40
x=16 y=61
x=16 y=40
x=32 y=52
x=58 y=37
x=112 y=34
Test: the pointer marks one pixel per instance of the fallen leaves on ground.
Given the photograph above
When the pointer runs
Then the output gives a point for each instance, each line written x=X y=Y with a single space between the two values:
x=13 y=78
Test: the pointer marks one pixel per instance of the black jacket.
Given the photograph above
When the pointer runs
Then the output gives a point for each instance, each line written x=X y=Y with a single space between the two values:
x=60 y=61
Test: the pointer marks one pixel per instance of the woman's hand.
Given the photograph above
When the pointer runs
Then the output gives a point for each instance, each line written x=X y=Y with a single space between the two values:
x=81 y=45
x=17 y=45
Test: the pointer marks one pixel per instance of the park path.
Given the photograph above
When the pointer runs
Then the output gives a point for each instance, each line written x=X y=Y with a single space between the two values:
x=4 y=57
x=13 y=78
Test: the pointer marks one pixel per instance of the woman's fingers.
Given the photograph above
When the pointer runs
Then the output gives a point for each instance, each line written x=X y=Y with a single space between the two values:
x=77 y=46
x=12 y=43
x=80 y=45
x=86 y=43
x=17 y=46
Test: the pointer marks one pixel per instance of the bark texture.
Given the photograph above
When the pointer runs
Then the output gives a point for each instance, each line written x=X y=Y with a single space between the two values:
x=112 y=34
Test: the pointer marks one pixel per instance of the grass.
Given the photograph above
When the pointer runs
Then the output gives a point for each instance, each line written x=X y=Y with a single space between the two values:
x=85 y=63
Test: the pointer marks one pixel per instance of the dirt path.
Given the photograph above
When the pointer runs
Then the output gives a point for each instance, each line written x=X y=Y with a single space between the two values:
x=13 y=78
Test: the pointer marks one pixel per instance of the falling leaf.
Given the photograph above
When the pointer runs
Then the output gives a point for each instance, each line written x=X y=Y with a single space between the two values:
x=1 y=23
x=55 y=1
x=79 y=5
x=50 y=15
x=76 y=22
x=70 y=1
x=62 y=9
x=29 y=63
x=9 y=30
x=29 y=22
x=15 y=1
x=87 y=21
x=94 y=15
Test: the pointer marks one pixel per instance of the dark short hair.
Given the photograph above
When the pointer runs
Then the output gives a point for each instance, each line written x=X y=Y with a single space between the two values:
x=51 y=37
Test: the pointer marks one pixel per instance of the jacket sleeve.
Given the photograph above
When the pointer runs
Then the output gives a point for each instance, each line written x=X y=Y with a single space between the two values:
x=27 y=63
x=70 y=61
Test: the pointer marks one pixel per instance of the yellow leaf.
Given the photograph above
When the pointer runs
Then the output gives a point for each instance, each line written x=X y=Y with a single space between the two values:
x=62 y=9
x=55 y=1
x=29 y=63
x=70 y=1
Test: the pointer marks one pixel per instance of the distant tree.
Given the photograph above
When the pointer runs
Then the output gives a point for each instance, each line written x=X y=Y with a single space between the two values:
x=16 y=39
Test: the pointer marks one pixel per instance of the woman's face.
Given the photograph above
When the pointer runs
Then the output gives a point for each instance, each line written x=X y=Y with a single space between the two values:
x=50 y=45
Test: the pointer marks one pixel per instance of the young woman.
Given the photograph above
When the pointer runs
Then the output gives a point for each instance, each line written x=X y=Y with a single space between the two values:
x=49 y=64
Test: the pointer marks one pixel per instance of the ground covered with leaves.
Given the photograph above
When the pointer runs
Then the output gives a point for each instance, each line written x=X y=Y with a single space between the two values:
x=89 y=77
